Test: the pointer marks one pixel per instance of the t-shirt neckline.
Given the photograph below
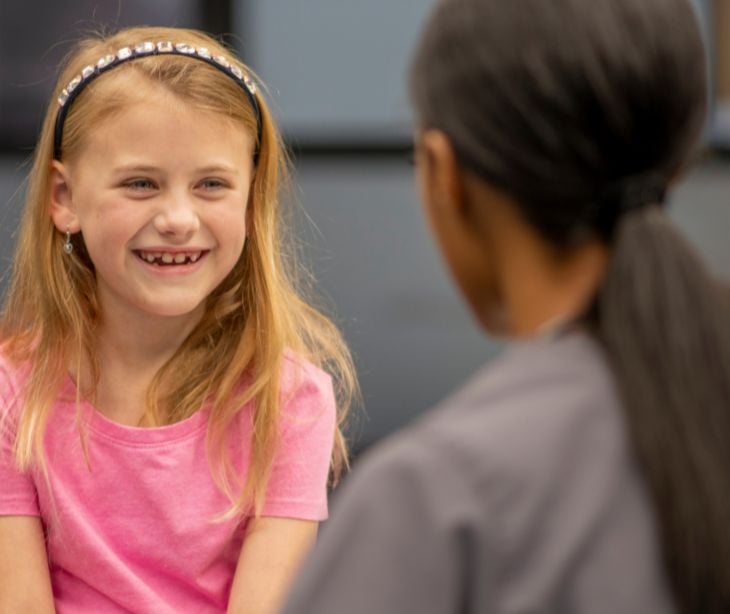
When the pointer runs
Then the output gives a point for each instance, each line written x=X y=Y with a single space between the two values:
x=106 y=427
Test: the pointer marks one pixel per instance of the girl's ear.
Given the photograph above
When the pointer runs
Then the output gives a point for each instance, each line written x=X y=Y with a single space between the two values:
x=63 y=212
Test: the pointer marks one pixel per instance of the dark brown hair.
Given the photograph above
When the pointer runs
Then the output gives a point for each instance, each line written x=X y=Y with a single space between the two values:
x=580 y=111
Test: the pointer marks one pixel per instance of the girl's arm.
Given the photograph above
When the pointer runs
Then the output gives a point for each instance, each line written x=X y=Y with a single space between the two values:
x=25 y=582
x=272 y=552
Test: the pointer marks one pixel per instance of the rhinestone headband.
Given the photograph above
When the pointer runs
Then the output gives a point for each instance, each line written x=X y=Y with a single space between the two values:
x=125 y=54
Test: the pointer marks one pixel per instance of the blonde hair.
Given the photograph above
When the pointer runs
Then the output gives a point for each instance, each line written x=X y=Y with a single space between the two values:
x=252 y=319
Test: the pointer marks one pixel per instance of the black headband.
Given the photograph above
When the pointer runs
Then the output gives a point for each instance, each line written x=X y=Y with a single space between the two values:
x=125 y=54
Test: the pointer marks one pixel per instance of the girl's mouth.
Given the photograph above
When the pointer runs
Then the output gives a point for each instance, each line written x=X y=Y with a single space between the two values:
x=162 y=258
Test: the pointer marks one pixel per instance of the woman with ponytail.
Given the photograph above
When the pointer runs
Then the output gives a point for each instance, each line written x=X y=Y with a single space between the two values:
x=588 y=469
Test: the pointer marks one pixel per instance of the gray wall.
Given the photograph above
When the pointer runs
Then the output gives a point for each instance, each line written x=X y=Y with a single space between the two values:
x=336 y=71
x=12 y=176
x=334 y=67
x=412 y=337
x=363 y=232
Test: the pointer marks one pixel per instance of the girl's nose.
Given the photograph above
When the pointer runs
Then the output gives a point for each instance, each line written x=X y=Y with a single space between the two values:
x=177 y=218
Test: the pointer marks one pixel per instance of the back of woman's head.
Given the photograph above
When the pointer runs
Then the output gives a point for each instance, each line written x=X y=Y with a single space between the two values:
x=583 y=113
x=562 y=103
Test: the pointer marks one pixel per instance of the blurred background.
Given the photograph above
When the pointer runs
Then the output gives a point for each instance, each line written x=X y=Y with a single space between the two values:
x=336 y=76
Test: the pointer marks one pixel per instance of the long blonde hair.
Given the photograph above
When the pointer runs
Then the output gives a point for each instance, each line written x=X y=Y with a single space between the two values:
x=252 y=319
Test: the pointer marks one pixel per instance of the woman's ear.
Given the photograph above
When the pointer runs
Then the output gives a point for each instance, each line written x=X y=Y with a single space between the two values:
x=63 y=212
x=458 y=218
x=440 y=178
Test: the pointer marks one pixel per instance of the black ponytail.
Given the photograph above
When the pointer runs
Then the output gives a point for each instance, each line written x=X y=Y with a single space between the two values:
x=583 y=111
x=664 y=323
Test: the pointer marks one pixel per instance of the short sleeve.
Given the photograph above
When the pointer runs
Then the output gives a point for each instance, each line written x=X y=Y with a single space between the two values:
x=297 y=487
x=18 y=495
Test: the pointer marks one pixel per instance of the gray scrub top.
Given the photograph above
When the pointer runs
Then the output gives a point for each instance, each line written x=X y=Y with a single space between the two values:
x=518 y=495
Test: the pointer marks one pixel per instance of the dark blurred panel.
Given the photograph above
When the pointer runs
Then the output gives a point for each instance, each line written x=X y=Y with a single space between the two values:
x=412 y=337
x=35 y=35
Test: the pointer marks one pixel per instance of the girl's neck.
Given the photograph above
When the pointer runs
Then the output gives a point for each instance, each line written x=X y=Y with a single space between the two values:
x=145 y=344
x=131 y=349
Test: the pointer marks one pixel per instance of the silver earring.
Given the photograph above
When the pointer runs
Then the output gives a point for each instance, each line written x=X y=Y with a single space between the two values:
x=68 y=247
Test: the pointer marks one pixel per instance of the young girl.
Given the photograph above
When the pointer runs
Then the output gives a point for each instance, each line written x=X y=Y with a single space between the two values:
x=587 y=470
x=166 y=428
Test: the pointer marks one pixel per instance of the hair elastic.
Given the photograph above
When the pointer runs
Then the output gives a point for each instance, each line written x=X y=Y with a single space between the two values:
x=126 y=54
x=636 y=192
x=626 y=196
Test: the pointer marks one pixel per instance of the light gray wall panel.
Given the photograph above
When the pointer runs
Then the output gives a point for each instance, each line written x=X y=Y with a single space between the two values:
x=336 y=68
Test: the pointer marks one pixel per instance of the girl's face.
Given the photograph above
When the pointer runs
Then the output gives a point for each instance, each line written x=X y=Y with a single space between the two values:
x=159 y=193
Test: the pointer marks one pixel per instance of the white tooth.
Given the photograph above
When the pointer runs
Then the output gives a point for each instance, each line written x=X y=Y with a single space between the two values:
x=180 y=258
x=149 y=257
x=167 y=258
x=194 y=257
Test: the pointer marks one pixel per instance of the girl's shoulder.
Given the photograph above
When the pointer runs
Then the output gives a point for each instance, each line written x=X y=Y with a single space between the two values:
x=306 y=390
x=12 y=377
x=298 y=371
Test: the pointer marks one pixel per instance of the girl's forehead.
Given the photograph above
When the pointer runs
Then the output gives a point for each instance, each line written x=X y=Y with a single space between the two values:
x=166 y=132
x=126 y=85
x=183 y=80
x=132 y=102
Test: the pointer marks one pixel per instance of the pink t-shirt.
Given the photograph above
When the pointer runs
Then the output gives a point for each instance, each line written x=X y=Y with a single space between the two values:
x=134 y=530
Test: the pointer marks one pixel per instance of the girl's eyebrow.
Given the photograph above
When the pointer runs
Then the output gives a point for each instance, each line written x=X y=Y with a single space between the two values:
x=137 y=168
x=146 y=168
x=218 y=168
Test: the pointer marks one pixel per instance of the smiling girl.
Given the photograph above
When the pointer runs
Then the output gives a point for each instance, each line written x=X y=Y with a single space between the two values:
x=167 y=430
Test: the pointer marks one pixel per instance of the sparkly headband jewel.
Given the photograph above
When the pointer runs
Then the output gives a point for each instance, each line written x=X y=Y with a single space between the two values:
x=125 y=54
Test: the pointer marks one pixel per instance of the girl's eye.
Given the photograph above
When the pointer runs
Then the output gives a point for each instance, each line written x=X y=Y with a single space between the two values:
x=212 y=184
x=140 y=184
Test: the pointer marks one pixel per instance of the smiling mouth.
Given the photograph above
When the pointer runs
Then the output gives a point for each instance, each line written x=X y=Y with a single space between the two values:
x=169 y=258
